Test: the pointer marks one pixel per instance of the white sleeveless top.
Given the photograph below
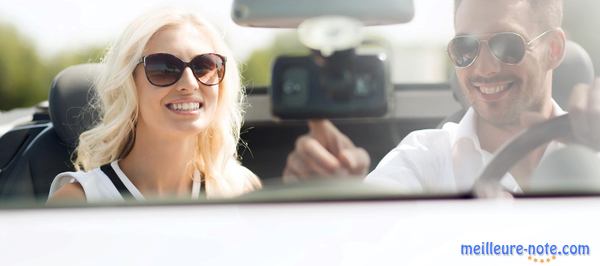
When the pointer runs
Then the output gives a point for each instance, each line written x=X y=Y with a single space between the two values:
x=96 y=184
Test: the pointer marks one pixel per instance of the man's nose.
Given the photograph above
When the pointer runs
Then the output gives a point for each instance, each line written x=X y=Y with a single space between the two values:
x=486 y=65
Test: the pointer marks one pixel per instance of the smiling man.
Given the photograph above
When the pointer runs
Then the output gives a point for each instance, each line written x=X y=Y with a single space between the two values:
x=504 y=54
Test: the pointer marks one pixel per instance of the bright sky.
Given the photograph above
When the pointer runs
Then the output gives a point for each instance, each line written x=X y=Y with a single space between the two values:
x=59 y=25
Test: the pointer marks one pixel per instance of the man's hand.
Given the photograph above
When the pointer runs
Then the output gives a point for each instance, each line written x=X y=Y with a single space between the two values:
x=584 y=110
x=324 y=152
x=584 y=113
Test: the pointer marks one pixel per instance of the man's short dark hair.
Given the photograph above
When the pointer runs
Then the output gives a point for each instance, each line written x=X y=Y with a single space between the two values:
x=548 y=14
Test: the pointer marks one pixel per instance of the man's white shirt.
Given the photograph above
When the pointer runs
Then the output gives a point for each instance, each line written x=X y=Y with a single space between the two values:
x=442 y=160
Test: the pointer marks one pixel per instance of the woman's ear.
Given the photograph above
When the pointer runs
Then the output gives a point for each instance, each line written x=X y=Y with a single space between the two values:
x=556 y=48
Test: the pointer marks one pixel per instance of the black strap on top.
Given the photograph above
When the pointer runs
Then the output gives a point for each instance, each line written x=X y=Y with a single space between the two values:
x=114 y=178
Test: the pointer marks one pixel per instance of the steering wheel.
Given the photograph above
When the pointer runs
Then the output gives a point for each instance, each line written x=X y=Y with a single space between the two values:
x=488 y=183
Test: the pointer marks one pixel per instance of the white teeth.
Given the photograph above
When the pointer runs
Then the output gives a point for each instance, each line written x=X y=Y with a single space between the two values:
x=492 y=90
x=184 y=106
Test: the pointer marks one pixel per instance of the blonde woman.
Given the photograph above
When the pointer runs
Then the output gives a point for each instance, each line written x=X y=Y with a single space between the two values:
x=170 y=100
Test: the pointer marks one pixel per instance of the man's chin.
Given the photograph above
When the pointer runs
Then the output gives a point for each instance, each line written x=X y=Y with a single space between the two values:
x=498 y=118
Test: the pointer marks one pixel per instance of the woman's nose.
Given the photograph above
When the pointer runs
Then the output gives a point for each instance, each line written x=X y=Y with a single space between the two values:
x=188 y=81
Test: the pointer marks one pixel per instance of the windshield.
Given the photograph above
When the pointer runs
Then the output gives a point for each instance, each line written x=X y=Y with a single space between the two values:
x=431 y=102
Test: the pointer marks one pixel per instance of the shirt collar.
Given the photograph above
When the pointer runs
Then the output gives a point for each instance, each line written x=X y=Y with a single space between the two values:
x=466 y=129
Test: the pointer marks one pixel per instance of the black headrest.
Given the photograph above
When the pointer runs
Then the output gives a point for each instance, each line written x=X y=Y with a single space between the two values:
x=576 y=68
x=69 y=101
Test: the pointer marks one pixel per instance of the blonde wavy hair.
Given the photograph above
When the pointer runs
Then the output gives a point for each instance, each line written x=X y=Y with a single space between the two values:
x=113 y=136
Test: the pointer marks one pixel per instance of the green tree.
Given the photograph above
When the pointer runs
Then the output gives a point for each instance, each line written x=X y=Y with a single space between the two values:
x=25 y=77
x=20 y=70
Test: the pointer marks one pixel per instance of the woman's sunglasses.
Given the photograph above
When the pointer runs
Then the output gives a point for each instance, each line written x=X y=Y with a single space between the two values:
x=164 y=70
x=508 y=47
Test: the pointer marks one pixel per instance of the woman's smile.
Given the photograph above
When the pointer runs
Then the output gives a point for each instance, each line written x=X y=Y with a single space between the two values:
x=186 y=107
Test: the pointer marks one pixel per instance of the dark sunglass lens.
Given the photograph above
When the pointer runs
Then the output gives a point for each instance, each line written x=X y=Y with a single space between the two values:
x=163 y=69
x=463 y=50
x=508 y=47
x=208 y=68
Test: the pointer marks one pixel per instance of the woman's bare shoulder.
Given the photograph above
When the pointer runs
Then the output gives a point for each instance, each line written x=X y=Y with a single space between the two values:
x=71 y=192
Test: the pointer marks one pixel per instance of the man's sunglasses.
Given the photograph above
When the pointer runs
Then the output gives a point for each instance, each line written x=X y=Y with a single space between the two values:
x=164 y=70
x=508 y=47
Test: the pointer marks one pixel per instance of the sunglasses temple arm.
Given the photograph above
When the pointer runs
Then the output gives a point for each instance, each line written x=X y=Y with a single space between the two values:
x=539 y=37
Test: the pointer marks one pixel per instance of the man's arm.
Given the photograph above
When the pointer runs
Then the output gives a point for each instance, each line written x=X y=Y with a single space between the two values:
x=421 y=162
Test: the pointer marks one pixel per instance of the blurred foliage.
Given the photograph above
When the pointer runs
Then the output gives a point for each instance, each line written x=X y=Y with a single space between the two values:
x=25 y=77
x=256 y=70
x=582 y=24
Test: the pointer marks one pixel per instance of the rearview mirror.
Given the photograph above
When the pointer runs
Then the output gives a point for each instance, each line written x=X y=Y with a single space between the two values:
x=290 y=13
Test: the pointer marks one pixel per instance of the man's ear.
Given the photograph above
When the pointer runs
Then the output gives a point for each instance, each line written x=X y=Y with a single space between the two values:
x=556 y=48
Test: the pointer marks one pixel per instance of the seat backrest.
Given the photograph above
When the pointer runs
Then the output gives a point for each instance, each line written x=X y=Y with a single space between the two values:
x=69 y=102
x=49 y=151
x=576 y=67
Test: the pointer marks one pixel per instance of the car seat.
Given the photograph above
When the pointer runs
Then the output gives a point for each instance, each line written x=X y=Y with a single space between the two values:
x=41 y=151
